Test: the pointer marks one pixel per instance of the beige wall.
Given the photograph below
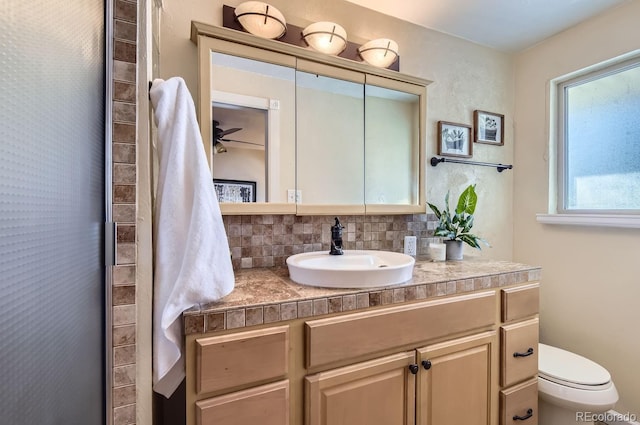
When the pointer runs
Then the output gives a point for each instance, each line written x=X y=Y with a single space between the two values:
x=466 y=77
x=591 y=276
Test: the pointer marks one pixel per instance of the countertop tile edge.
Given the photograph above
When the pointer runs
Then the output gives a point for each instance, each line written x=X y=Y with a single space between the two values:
x=302 y=304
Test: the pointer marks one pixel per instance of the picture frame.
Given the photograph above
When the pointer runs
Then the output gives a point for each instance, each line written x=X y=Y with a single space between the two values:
x=489 y=128
x=455 y=139
x=235 y=191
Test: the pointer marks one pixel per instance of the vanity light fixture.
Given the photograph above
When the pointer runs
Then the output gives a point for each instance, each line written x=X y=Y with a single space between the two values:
x=325 y=37
x=380 y=52
x=261 y=19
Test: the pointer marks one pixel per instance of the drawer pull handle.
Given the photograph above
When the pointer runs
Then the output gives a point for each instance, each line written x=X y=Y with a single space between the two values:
x=413 y=368
x=525 y=417
x=528 y=353
x=426 y=364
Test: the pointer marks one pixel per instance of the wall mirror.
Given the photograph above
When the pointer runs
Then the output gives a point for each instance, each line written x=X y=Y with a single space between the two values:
x=330 y=139
x=250 y=131
x=392 y=145
x=314 y=134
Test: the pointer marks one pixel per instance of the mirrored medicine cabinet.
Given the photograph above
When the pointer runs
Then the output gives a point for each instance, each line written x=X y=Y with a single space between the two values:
x=290 y=131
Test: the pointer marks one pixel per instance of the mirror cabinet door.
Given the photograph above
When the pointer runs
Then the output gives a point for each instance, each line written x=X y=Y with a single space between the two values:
x=251 y=128
x=330 y=140
x=274 y=124
x=392 y=146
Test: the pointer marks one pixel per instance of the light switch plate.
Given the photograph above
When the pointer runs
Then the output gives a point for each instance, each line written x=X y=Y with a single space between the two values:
x=410 y=243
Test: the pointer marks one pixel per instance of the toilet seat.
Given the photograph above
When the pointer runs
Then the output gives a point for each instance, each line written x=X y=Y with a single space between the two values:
x=570 y=369
x=572 y=381
x=574 y=384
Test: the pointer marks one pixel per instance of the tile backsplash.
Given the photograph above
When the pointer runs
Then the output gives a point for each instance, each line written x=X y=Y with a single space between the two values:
x=267 y=240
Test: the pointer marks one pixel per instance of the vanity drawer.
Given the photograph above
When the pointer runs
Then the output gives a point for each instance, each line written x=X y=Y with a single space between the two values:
x=346 y=337
x=520 y=402
x=520 y=302
x=519 y=351
x=229 y=361
x=265 y=405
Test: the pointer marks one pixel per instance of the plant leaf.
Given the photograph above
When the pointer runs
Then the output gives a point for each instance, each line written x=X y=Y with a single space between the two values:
x=435 y=210
x=446 y=201
x=468 y=200
x=469 y=239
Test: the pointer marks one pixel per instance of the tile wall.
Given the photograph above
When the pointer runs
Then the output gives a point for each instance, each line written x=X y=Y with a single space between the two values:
x=124 y=111
x=267 y=240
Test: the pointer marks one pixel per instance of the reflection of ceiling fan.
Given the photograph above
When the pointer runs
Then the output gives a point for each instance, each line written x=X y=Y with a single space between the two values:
x=218 y=137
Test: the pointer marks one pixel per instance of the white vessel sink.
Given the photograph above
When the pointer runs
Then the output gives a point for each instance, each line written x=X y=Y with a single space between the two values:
x=353 y=269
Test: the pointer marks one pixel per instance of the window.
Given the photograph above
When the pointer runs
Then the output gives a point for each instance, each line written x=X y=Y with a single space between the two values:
x=599 y=141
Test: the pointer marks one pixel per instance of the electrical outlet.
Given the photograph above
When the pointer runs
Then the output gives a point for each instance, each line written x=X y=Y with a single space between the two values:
x=294 y=196
x=410 y=245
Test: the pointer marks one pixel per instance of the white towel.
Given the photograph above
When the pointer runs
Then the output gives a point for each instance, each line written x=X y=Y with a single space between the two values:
x=192 y=261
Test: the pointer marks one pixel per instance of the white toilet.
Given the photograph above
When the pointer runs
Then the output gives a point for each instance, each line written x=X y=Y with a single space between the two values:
x=570 y=387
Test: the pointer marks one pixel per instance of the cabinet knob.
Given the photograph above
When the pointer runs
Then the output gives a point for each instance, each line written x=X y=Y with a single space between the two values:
x=413 y=368
x=426 y=364
x=525 y=417
x=527 y=353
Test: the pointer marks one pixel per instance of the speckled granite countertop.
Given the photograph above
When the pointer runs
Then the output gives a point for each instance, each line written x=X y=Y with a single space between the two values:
x=267 y=295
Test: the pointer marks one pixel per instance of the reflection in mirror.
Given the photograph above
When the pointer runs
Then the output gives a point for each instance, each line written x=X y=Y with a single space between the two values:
x=239 y=138
x=253 y=105
x=392 y=129
x=330 y=140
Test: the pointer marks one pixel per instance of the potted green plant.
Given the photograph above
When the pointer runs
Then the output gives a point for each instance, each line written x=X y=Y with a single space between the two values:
x=455 y=227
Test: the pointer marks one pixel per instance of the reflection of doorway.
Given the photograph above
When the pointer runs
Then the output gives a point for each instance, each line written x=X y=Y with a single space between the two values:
x=249 y=153
x=242 y=151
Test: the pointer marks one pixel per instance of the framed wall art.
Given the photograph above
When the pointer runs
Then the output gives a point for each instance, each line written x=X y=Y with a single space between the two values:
x=454 y=139
x=235 y=190
x=489 y=128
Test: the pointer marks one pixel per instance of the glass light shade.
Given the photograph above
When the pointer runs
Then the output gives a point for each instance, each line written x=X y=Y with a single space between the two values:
x=380 y=52
x=261 y=19
x=325 y=37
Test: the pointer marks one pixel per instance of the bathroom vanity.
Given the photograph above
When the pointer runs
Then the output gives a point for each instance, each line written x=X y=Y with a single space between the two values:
x=456 y=344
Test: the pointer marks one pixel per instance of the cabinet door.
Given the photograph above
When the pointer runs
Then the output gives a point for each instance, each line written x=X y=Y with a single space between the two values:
x=457 y=381
x=377 y=392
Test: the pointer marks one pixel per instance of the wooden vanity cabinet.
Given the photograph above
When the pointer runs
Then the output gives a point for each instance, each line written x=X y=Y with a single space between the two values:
x=441 y=361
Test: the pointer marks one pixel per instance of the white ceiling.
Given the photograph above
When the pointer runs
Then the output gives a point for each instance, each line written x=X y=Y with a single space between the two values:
x=507 y=25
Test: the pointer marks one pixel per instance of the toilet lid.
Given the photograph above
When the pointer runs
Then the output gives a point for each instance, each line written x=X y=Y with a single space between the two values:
x=559 y=365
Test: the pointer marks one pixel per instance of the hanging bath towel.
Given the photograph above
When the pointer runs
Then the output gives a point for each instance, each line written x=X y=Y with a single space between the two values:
x=192 y=262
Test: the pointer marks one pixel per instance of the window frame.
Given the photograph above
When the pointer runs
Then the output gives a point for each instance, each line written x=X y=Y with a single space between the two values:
x=558 y=185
